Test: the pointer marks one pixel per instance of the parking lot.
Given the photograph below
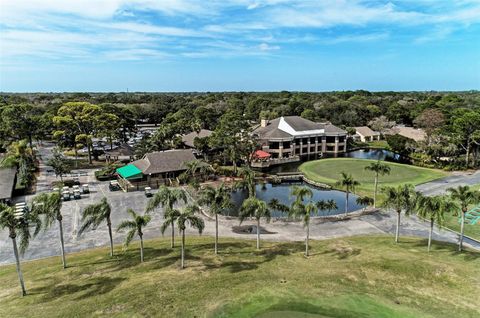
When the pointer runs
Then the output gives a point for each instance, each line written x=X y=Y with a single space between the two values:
x=47 y=243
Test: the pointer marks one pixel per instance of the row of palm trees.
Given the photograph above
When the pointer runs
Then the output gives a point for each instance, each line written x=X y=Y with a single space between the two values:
x=46 y=209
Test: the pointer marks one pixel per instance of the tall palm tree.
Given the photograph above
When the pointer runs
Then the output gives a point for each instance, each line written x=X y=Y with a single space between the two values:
x=433 y=209
x=167 y=198
x=18 y=225
x=135 y=226
x=50 y=206
x=465 y=196
x=378 y=168
x=348 y=183
x=304 y=211
x=301 y=193
x=399 y=198
x=248 y=181
x=96 y=214
x=327 y=205
x=217 y=199
x=365 y=200
x=253 y=207
x=187 y=217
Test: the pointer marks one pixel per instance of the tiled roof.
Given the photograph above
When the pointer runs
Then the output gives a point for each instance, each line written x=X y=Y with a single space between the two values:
x=188 y=139
x=164 y=161
x=291 y=126
x=366 y=131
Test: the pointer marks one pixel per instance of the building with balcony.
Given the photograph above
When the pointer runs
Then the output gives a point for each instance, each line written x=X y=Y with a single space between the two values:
x=289 y=138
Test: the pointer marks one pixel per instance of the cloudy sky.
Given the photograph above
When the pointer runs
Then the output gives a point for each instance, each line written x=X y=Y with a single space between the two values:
x=225 y=45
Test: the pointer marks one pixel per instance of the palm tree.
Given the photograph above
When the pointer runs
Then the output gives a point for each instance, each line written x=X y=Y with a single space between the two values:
x=187 y=217
x=135 y=226
x=378 y=168
x=18 y=225
x=50 y=205
x=365 y=200
x=195 y=172
x=327 y=205
x=96 y=214
x=304 y=211
x=21 y=156
x=253 y=207
x=248 y=181
x=465 y=196
x=167 y=198
x=349 y=184
x=399 y=198
x=274 y=204
x=433 y=209
x=301 y=193
x=217 y=199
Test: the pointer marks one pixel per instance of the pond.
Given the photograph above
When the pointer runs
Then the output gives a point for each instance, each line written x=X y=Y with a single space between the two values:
x=281 y=192
x=376 y=154
x=364 y=153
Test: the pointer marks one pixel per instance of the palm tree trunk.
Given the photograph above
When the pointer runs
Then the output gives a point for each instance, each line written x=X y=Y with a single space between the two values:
x=62 y=244
x=462 y=228
x=430 y=235
x=375 y=192
x=19 y=270
x=397 y=230
x=306 y=239
x=216 y=233
x=141 y=248
x=346 y=202
x=109 y=224
x=183 y=249
x=173 y=236
x=258 y=234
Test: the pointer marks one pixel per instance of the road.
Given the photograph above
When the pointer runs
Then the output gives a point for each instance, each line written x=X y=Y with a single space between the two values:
x=440 y=186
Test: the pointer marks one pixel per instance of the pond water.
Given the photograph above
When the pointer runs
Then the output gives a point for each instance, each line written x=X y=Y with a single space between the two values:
x=365 y=153
x=281 y=192
x=376 y=154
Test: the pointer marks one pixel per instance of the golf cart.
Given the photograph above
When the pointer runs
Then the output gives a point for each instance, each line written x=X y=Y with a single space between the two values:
x=66 y=195
x=114 y=186
x=148 y=192
x=76 y=194
x=85 y=189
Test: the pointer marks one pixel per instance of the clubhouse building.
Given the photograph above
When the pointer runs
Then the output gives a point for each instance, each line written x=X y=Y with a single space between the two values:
x=290 y=138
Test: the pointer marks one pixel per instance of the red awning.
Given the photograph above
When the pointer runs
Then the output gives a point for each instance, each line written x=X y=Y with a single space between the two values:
x=260 y=154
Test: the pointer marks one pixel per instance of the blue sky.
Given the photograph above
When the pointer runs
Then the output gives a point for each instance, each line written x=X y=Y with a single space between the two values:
x=229 y=45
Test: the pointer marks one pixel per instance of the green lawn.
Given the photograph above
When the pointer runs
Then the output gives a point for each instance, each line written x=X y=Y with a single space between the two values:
x=351 y=277
x=328 y=171
x=472 y=230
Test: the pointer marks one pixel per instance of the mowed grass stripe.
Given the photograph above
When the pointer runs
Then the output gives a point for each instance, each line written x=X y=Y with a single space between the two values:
x=365 y=276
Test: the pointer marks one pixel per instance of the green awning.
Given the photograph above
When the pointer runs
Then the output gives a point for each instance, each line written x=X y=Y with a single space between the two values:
x=130 y=172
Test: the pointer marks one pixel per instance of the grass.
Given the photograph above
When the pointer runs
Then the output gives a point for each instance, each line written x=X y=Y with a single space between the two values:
x=382 y=144
x=472 y=230
x=328 y=171
x=351 y=277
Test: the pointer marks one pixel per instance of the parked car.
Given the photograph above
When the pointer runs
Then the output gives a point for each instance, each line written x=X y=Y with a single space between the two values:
x=76 y=181
x=76 y=194
x=114 y=186
x=148 y=192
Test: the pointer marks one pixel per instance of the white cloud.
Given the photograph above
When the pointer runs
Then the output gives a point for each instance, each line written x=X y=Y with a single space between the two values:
x=266 y=47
